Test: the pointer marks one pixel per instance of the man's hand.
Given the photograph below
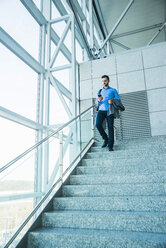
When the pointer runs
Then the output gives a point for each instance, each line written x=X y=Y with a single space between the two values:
x=109 y=101
x=100 y=98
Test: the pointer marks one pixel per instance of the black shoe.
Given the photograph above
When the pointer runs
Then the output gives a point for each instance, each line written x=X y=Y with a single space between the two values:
x=111 y=149
x=105 y=143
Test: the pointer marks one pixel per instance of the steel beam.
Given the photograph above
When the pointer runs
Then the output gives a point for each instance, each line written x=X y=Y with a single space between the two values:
x=40 y=17
x=65 y=51
x=98 y=29
x=67 y=93
x=91 y=24
x=84 y=24
x=82 y=16
x=34 y=11
x=59 y=5
x=100 y=18
x=80 y=29
x=79 y=10
x=59 y=19
x=157 y=33
x=60 y=43
x=19 y=51
x=62 y=67
x=120 y=44
x=117 y=24
x=86 y=27
x=137 y=31
x=101 y=23
x=63 y=11
x=60 y=95
x=12 y=116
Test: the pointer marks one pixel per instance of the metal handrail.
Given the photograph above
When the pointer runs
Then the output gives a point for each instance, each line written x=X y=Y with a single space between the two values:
x=42 y=141
x=44 y=199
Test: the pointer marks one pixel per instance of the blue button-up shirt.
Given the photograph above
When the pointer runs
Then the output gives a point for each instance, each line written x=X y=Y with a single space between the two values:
x=107 y=94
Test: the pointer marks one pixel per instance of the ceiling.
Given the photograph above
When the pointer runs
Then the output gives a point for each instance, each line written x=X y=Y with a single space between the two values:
x=141 y=14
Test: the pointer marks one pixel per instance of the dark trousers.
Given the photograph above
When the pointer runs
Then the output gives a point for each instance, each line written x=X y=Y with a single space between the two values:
x=101 y=115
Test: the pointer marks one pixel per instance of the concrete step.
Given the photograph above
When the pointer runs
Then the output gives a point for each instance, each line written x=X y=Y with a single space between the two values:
x=116 y=199
x=147 y=140
x=120 y=169
x=99 y=141
x=109 y=178
x=90 y=238
x=115 y=189
x=130 y=147
x=109 y=220
x=125 y=162
x=127 y=154
x=119 y=203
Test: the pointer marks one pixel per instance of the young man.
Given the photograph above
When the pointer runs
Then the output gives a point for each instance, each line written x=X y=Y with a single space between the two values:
x=103 y=100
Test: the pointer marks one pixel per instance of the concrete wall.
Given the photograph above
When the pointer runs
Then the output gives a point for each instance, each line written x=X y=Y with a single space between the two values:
x=131 y=71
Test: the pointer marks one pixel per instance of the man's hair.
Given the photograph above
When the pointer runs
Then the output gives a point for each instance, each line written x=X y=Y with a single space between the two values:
x=106 y=77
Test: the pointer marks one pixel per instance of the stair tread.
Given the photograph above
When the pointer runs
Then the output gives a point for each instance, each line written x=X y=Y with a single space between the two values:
x=96 y=232
x=103 y=152
x=127 y=201
x=97 y=149
x=145 y=188
x=109 y=197
x=163 y=156
x=127 y=151
x=146 y=139
x=107 y=212
x=102 y=179
x=92 y=185
x=115 y=175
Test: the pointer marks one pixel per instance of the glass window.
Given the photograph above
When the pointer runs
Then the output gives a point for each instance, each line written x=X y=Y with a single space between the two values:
x=20 y=25
x=58 y=114
x=63 y=77
x=37 y=3
x=18 y=87
x=15 y=139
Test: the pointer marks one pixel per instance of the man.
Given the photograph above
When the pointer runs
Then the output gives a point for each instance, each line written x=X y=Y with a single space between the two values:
x=103 y=100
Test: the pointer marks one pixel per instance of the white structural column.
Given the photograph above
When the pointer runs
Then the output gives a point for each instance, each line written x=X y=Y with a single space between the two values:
x=91 y=24
x=73 y=86
x=85 y=55
x=39 y=136
x=47 y=14
x=73 y=74
x=73 y=70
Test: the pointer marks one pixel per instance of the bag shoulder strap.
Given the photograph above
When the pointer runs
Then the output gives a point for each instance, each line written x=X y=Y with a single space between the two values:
x=100 y=91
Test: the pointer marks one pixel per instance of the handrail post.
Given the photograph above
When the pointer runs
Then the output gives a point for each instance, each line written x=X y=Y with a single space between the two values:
x=92 y=122
x=61 y=155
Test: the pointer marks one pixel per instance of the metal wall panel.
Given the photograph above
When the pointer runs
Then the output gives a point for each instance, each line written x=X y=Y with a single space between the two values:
x=134 y=122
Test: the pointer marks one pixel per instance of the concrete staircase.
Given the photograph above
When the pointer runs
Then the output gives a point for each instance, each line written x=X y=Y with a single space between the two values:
x=116 y=199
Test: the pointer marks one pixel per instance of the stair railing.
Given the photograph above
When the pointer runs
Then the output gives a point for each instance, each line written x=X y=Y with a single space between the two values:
x=68 y=144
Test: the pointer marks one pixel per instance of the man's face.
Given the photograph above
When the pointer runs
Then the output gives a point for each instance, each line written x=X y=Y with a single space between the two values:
x=105 y=82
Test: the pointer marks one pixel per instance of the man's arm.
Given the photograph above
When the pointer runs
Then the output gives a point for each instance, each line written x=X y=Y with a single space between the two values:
x=116 y=95
x=98 y=99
